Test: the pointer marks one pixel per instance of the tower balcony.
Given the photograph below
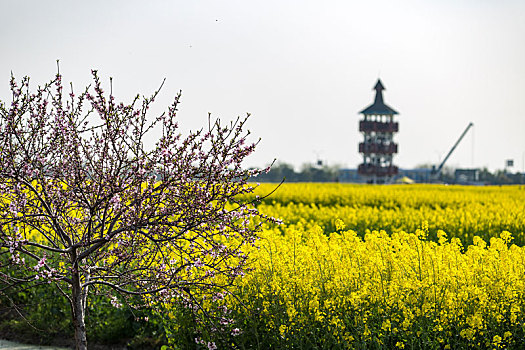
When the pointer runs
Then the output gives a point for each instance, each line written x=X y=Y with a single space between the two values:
x=377 y=148
x=369 y=126
x=371 y=169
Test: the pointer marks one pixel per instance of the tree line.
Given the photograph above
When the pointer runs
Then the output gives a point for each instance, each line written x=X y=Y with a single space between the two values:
x=325 y=173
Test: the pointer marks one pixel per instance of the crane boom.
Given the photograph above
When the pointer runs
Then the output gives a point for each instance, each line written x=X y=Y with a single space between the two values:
x=437 y=171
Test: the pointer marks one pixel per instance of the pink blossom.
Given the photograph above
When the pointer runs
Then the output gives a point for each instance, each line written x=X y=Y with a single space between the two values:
x=106 y=200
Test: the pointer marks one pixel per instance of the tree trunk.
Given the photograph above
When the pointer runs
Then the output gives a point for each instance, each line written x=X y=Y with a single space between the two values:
x=77 y=311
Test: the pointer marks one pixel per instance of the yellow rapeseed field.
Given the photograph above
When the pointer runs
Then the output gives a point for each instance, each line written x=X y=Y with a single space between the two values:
x=419 y=266
x=374 y=267
x=460 y=211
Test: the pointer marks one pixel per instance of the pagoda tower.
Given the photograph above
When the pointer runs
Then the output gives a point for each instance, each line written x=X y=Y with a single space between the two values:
x=378 y=147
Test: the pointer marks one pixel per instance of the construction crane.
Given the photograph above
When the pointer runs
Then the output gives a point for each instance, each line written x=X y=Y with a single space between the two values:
x=436 y=172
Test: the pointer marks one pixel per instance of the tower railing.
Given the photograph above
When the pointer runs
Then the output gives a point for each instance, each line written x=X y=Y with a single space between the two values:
x=369 y=126
x=379 y=148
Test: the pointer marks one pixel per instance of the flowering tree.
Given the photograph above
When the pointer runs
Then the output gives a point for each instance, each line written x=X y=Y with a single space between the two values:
x=86 y=205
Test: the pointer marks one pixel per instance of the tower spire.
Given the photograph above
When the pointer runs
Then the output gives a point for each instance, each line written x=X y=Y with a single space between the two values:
x=379 y=93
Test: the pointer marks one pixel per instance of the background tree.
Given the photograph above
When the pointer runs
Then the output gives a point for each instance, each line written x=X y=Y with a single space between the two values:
x=87 y=206
x=308 y=173
x=279 y=172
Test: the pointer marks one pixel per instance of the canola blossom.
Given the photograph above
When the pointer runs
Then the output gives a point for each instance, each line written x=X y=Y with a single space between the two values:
x=460 y=211
x=314 y=290
x=437 y=268
x=356 y=267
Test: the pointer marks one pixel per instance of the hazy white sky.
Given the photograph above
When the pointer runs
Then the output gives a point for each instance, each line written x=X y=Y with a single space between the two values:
x=304 y=69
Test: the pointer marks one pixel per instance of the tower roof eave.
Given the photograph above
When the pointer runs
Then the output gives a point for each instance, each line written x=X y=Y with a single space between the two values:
x=379 y=109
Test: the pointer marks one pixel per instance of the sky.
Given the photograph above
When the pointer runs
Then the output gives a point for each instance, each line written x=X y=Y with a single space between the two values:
x=303 y=69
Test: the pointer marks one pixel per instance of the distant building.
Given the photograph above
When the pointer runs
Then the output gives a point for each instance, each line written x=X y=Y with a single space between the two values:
x=420 y=175
x=378 y=147
x=466 y=176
